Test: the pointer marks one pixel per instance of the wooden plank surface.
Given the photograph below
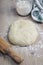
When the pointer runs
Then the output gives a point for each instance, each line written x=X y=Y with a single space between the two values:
x=7 y=16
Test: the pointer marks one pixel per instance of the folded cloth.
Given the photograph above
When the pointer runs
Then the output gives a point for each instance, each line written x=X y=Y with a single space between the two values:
x=37 y=11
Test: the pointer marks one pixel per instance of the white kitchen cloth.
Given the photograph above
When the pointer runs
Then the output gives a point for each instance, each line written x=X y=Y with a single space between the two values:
x=37 y=11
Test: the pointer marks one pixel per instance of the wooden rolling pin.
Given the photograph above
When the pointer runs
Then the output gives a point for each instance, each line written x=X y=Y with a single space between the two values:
x=6 y=48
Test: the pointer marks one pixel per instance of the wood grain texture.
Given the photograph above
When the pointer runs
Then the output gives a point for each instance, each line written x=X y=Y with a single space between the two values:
x=6 y=48
x=8 y=17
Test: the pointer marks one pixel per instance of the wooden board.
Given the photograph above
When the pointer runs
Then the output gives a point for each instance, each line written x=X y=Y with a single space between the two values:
x=7 y=16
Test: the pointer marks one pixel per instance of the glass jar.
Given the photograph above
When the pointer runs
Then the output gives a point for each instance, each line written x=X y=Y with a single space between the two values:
x=24 y=7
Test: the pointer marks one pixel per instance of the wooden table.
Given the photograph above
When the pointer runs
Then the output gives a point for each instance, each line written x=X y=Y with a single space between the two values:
x=7 y=16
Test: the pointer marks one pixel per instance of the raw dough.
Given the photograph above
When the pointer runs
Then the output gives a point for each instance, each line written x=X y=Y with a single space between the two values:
x=23 y=33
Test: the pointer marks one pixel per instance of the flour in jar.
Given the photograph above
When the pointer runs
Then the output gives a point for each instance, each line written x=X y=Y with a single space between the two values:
x=23 y=7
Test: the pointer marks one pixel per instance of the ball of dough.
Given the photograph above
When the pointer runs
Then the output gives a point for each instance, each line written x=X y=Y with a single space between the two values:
x=23 y=33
